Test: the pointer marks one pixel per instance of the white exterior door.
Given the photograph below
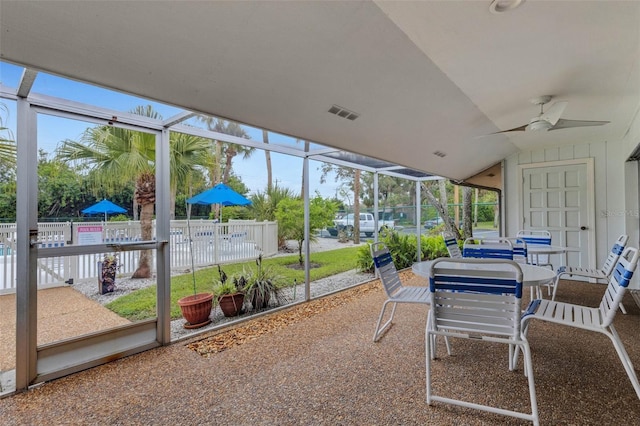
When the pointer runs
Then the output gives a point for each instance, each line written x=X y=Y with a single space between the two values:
x=559 y=199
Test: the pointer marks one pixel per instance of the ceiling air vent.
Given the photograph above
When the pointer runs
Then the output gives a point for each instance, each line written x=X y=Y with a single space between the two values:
x=343 y=112
x=440 y=154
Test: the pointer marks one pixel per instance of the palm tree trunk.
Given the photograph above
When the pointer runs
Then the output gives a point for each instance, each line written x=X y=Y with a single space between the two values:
x=146 y=196
x=146 y=230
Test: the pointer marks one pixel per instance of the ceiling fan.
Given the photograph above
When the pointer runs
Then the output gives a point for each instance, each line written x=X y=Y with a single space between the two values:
x=550 y=120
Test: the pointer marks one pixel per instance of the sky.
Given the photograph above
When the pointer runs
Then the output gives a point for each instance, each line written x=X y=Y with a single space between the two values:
x=287 y=170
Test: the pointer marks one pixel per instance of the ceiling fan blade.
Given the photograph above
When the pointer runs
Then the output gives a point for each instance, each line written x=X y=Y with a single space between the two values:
x=515 y=129
x=552 y=115
x=566 y=124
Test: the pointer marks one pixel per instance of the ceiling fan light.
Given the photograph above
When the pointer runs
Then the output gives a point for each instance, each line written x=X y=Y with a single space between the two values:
x=501 y=6
x=539 y=126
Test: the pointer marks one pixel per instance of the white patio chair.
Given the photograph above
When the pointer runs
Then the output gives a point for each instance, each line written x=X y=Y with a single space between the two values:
x=598 y=319
x=493 y=248
x=396 y=292
x=452 y=245
x=540 y=238
x=481 y=305
x=603 y=273
x=520 y=254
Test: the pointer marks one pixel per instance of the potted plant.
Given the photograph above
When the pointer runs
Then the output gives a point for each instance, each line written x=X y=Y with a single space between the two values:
x=230 y=294
x=262 y=286
x=196 y=308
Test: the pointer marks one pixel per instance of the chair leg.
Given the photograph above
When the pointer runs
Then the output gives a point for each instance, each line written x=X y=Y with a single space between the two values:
x=555 y=285
x=447 y=344
x=622 y=309
x=524 y=328
x=380 y=330
x=624 y=358
x=428 y=353
x=528 y=371
x=512 y=357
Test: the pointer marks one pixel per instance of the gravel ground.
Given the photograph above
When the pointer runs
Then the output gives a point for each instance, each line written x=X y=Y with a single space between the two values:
x=324 y=369
x=316 y=364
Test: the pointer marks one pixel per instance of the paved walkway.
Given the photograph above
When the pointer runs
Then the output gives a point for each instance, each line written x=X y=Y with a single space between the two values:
x=62 y=313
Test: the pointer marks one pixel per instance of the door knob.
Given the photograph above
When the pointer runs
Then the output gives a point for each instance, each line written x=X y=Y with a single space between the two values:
x=583 y=228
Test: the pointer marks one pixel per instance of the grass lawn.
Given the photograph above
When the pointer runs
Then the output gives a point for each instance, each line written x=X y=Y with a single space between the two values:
x=141 y=304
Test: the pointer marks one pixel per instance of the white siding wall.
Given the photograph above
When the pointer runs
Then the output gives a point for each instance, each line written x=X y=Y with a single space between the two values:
x=631 y=193
x=609 y=179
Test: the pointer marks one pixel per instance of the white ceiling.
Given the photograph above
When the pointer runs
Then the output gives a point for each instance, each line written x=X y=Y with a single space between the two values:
x=424 y=76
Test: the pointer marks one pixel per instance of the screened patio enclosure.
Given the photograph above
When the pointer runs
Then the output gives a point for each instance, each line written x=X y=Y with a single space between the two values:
x=432 y=86
x=45 y=362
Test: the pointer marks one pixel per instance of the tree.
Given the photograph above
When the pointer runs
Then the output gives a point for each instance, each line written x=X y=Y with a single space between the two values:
x=61 y=191
x=441 y=205
x=8 y=194
x=117 y=156
x=392 y=191
x=146 y=198
x=352 y=178
x=467 y=198
x=7 y=143
x=227 y=151
x=8 y=188
x=264 y=206
x=187 y=152
x=290 y=216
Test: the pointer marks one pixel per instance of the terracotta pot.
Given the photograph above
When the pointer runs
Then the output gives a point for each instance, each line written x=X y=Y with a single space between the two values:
x=231 y=304
x=196 y=309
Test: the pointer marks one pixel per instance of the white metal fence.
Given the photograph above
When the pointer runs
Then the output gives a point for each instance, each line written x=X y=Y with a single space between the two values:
x=209 y=243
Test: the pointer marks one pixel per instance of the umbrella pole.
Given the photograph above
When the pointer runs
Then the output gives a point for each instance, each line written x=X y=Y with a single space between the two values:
x=193 y=271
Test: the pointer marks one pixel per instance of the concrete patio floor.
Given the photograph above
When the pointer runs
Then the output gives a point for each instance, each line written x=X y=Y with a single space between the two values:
x=325 y=370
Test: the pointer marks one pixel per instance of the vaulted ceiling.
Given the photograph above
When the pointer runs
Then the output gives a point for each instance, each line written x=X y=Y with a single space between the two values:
x=429 y=81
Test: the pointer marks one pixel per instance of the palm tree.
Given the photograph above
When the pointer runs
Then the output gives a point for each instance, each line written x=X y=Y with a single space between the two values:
x=146 y=198
x=117 y=156
x=7 y=143
x=186 y=153
x=225 y=150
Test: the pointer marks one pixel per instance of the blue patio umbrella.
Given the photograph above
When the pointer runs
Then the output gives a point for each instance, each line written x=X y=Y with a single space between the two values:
x=104 y=207
x=219 y=194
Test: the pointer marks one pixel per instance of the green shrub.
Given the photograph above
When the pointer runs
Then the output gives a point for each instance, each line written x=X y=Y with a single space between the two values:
x=364 y=261
x=119 y=218
x=403 y=250
x=433 y=247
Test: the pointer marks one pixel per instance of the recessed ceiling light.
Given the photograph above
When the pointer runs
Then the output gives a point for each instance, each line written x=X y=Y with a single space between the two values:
x=501 y=6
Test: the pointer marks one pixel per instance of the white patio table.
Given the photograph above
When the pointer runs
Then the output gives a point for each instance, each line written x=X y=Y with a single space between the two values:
x=536 y=250
x=532 y=276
